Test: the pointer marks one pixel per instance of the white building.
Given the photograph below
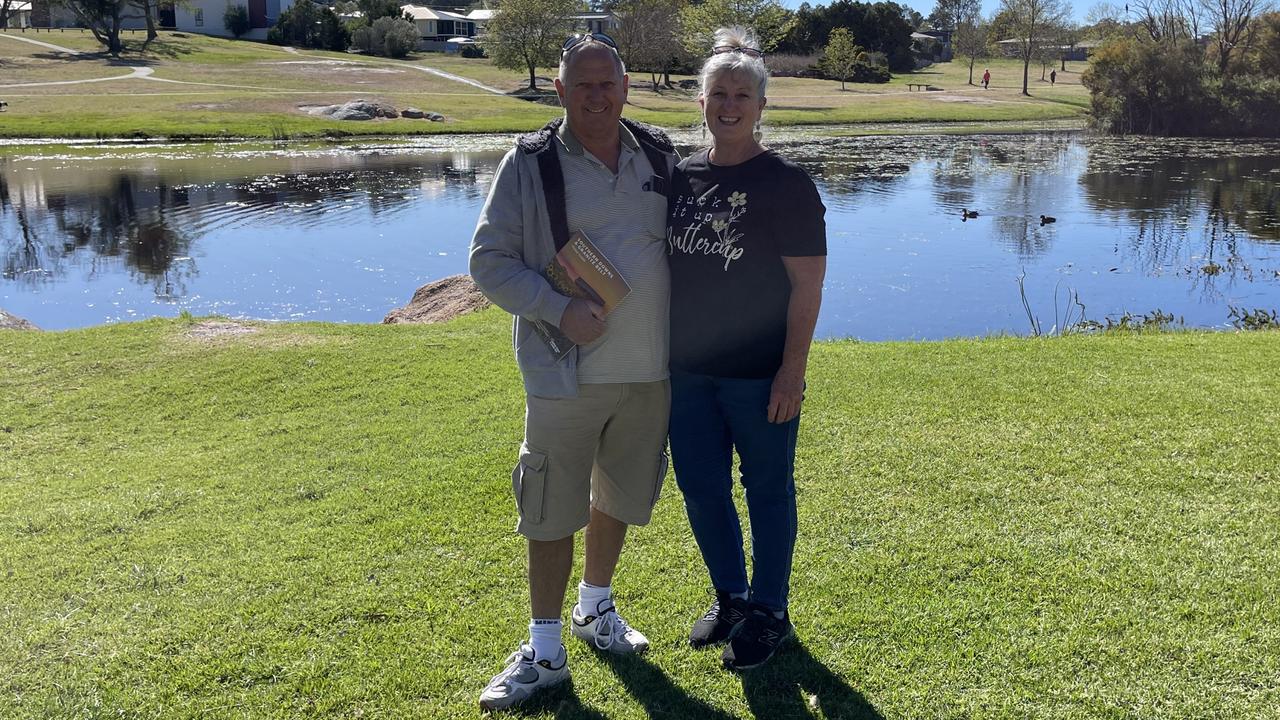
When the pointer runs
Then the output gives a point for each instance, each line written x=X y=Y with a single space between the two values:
x=205 y=16
x=439 y=25
x=19 y=15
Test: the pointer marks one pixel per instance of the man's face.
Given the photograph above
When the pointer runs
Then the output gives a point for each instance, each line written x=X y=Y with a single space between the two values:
x=593 y=92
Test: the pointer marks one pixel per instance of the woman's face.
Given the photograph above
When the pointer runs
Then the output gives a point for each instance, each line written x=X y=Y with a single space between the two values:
x=731 y=105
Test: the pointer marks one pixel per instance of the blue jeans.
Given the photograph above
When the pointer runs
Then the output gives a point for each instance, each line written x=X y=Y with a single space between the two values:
x=710 y=418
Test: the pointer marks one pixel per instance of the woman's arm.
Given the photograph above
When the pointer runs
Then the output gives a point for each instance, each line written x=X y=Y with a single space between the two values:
x=806 y=275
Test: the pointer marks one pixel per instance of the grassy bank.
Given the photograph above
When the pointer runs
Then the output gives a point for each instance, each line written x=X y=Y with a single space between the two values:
x=211 y=87
x=315 y=521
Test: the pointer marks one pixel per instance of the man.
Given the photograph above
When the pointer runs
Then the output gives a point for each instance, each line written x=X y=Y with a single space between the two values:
x=596 y=419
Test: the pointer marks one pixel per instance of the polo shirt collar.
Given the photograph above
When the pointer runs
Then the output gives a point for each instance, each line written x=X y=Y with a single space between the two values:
x=574 y=146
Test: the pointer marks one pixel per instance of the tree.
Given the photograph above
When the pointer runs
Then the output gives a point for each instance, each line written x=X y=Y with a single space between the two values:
x=527 y=34
x=388 y=35
x=1265 y=55
x=102 y=18
x=841 y=55
x=912 y=17
x=148 y=10
x=947 y=14
x=1031 y=19
x=236 y=20
x=309 y=25
x=372 y=10
x=1232 y=22
x=768 y=18
x=972 y=40
x=649 y=37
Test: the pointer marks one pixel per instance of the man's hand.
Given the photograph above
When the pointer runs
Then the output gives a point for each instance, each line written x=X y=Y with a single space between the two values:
x=582 y=321
x=786 y=395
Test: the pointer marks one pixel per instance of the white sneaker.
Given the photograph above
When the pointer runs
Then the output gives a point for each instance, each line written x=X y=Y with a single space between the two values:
x=606 y=630
x=523 y=677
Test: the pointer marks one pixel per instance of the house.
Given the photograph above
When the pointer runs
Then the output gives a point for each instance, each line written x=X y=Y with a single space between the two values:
x=52 y=14
x=1078 y=52
x=601 y=22
x=437 y=27
x=19 y=15
x=205 y=16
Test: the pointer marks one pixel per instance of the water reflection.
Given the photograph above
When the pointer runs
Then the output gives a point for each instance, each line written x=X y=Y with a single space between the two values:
x=82 y=221
x=346 y=233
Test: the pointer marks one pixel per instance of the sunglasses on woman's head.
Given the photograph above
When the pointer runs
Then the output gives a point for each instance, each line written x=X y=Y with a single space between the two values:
x=748 y=51
x=580 y=38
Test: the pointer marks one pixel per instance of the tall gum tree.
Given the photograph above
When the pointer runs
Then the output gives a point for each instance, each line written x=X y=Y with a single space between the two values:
x=1031 y=21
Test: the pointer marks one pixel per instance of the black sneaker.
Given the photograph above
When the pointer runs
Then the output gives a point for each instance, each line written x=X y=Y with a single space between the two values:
x=725 y=614
x=757 y=639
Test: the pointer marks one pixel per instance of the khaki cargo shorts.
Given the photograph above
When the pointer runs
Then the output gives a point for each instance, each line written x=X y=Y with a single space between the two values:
x=605 y=449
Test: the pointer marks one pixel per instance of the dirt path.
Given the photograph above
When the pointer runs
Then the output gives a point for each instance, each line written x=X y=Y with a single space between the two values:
x=51 y=46
x=423 y=68
x=139 y=72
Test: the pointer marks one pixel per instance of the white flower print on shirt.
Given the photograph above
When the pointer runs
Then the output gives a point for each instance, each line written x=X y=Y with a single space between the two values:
x=705 y=209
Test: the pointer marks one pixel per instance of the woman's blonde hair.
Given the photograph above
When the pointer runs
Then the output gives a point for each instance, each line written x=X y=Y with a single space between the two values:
x=727 y=60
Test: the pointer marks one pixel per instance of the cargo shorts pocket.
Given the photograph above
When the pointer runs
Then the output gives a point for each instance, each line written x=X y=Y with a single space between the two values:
x=528 y=482
x=663 y=462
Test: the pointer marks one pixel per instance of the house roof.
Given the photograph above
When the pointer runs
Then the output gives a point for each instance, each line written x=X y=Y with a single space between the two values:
x=484 y=14
x=418 y=12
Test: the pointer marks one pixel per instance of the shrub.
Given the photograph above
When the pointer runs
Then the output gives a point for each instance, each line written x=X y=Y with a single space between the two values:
x=399 y=36
x=236 y=20
x=471 y=51
x=309 y=25
x=390 y=36
x=788 y=65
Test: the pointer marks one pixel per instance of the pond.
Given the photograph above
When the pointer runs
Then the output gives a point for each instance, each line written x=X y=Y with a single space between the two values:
x=107 y=233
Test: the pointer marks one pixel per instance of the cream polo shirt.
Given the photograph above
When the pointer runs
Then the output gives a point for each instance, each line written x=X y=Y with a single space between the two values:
x=628 y=224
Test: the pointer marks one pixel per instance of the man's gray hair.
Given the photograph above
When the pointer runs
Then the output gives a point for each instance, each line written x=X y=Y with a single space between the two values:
x=572 y=52
x=735 y=36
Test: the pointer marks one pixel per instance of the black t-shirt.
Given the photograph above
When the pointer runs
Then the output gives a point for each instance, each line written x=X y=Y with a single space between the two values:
x=729 y=228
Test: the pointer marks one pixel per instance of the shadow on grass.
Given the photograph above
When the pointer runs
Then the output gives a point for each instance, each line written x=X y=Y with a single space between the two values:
x=795 y=685
x=660 y=697
x=562 y=700
x=792 y=685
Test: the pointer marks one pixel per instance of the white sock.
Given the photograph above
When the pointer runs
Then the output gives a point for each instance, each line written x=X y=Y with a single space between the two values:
x=544 y=636
x=590 y=596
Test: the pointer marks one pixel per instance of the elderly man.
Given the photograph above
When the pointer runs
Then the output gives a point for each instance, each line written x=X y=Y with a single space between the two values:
x=596 y=419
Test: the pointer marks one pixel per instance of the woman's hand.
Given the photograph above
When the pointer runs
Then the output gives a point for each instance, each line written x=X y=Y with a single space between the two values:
x=786 y=395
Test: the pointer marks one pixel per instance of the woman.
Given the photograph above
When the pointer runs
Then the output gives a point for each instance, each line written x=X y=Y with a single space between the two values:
x=747 y=246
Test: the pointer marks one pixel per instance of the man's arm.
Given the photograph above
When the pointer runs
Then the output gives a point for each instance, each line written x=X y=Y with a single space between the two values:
x=497 y=261
x=806 y=275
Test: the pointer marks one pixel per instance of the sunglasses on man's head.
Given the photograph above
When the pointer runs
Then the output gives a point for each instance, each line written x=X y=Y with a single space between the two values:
x=748 y=51
x=580 y=38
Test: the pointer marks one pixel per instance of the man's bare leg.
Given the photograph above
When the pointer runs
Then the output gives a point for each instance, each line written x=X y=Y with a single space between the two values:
x=604 y=544
x=550 y=562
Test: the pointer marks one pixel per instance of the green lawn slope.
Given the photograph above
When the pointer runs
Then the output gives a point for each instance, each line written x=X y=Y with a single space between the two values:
x=315 y=521
x=207 y=87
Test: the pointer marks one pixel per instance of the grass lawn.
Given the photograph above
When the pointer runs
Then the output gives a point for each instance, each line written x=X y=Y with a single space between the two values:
x=315 y=521
x=213 y=87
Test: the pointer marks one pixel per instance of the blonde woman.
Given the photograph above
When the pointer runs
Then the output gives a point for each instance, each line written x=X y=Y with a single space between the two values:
x=746 y=240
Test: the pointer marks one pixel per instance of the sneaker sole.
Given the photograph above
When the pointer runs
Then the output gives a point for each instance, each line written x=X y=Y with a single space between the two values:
x=484 y=707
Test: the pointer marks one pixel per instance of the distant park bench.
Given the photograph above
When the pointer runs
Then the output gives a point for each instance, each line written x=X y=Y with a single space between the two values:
x=913 y=86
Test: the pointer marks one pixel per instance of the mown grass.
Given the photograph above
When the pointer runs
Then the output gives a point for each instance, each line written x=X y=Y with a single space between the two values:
x=272 y=82
x=315 y=521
